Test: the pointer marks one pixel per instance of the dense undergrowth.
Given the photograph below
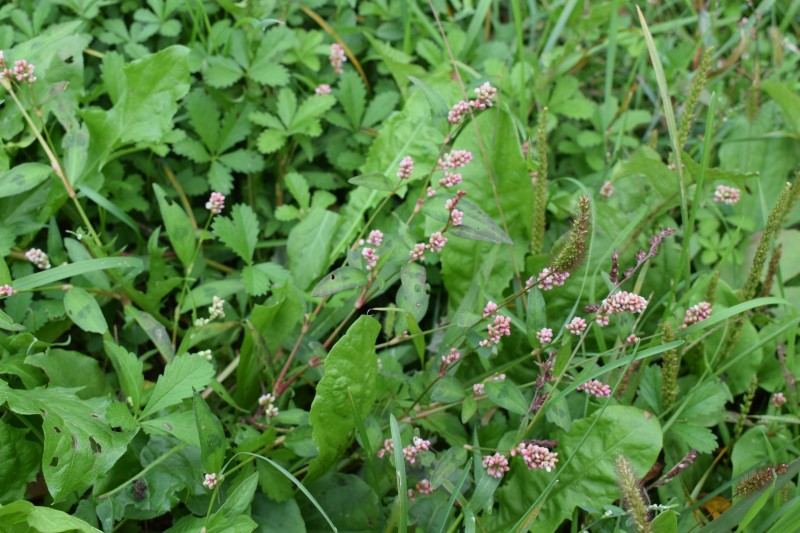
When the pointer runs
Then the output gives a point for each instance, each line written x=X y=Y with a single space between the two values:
x=388 y=265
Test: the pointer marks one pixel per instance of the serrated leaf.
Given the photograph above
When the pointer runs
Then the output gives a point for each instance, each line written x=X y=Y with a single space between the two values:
x=192 y=149
x=306 y=120
x=272 y=74
x=243 y=161
x=179 y=229
x=212 y=435
x=240 y=232
x=79 y=444
x=220 y=178
x=506 y=395
x=129 y=370
x=222 y=72
x=352 y=95
x=379 y=108
x=341 y=279
x=350 y=372
x=84 y=311
x=270 y=141
x=286 y=212
x=256 y=282
x=298 y=186
x=309 y=244
x=287 y=106
x=180 y=379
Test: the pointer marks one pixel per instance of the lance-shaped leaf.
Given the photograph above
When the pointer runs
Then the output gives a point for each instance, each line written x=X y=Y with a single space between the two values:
x=341 y=279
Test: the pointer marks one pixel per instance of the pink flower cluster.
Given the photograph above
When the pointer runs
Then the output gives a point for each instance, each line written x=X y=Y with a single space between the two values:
x=411 y=451
x=501 y=326
x=607 y=189
x=216 y=203
x=210 y=481
x=455 y=159
x=489 y=309
x=422 y=487
x=778 y=399
x=478 y=389
x=546 y=280
x=456 y=217
x=375 y=237
x=337 y=58
x=496 y=465
x=595 y=388
x=6 y=290
x=696 y=313
x=617 y=303
x=484 y=98
x=22 y=71
x=459 y=111
x=323 y=88
x=545 y=335
x=536 y=457
x=386 y=449
x=727 y=195
x=38 y=258
x=576 y=326
x=451 y=357
x=371 y=257
x=437 y=241
x=406 y=168
x=418 y=252
x=450 y=179
x=632 y=339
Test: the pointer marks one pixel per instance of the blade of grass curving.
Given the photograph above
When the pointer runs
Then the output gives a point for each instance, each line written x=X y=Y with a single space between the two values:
x=454 y=494
x=288 y=475
x=400 y=471
x=476 y=23
x=110 y=207
x=689 y=228
x=668 y=112
x=52 y=275
x=555 y=35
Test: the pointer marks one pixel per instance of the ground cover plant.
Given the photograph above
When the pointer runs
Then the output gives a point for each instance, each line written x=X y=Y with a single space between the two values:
x=399 y=266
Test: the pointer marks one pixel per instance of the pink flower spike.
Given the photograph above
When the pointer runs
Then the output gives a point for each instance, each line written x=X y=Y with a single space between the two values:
x=451 y=357
x=323 y=88
x=456 y=217
x=454 y=159
x=485 y=95
x=375 y=237
x=536 y=457
x=406 y=168
x=490 y=309
x=595 y=388
x=437 y=241
x=632 y=339
x=431 y=192
x=577 y=326
x=458 y=112
x=696 y=313
x=216 y=203
x=370 y=257
x=210 y=481
x=450 y=179
x=607 y=189
x=387 y=449
x=727 y=195
x=7 y=290
x=778 y=399
x=496 y=465
x=545 y=335
x=337 y=58
x=418 y=252
x=38 y=258
x=501 y=326
x=478 y=389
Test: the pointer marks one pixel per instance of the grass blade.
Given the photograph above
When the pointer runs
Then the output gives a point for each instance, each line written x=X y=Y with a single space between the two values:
x=400 y=470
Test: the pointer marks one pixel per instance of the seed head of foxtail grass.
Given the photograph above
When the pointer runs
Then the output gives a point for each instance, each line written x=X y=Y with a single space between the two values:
x=711 y=288
x=759 y=479
x=744 y=408
x=772 y=270
x=570 y=251
x=632 y=497
x=539 y=182
x=690 y=109
x=670 y=364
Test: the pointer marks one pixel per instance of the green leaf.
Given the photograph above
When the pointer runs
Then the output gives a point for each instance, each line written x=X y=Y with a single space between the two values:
x=212 y=435
x=413 y=294
x=154 y=330
x=278 y=316
x=352 y=95
x=298 y=186
x=787 y=99
x=448 y=389
x=24 y=516
x=47 y=277
x=350 y=369
x=182 y=425
x=179 y=229
x=309 y=244
x=286 y=212
x=666 y=522
x=348 y=499
x=23 y=178
x=277 y=517
x=240 y=232
x=379 y=108
x=507 y=395
x=306 y=120
x=72 y=370
x=129 y=370
x=222 y=72
x=341 y=279
x=270 y=141
x=237 y=503
x=19 y=462
x=84 y=311
x=476 y=224
x=617 y=430
x=180 y=378
x=256 y=282
x=79 y=445
x=377 y=181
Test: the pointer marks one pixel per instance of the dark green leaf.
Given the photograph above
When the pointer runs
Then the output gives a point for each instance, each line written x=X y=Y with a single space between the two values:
x=212 y=436
x=341 y=279
x=84 y=311
x=23 y=178
x=181 y=377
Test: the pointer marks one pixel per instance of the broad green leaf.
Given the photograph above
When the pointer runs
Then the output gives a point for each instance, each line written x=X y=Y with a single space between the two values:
x=19 y=462
x=341 y=279
x=240 y=232
x=377 y=181
x=181 y=424
x=309 y=244
x=448 y=389
x=536 y=314
x=274 y=517
x=507 y=395
x=84 y=311
x=154 y=330
x=237 y=503
x=379 y=108
x=79 y=444
x=349 y=501
x=24 y=516
x=129 y=370
x=70 y=369
x=666 y=522
x=787 y=99
x=350 y=370
x=270 y=141
x=181 y=377
x=212 y=435
x=256 y=282
x=617 y=430
x=23 y=178
x=476 y=224
x=179 y=229
x=413 y=296
x=276 y=318
x=52 y=275
x=222 y=72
